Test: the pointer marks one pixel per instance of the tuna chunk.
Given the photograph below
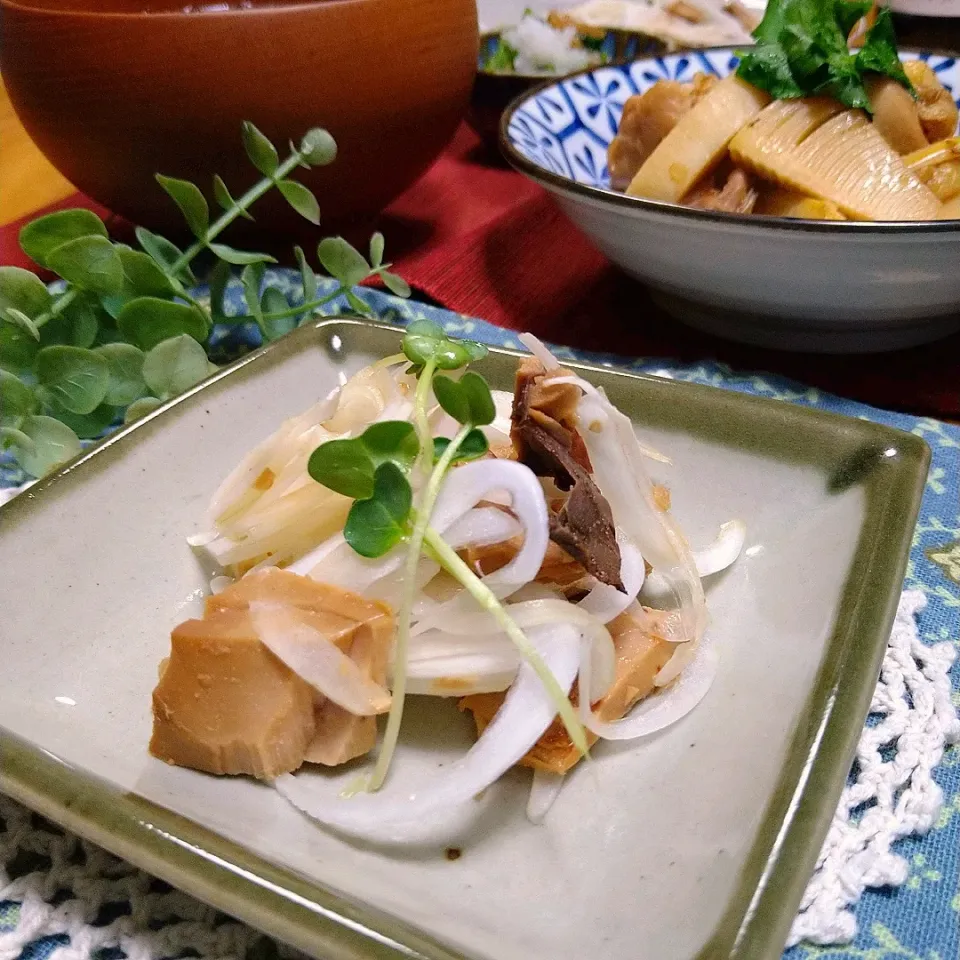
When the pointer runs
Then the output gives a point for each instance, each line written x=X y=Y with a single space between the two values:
x=226 y=705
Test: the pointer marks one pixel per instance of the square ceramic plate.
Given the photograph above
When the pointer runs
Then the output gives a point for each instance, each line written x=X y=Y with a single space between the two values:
x=694 y=844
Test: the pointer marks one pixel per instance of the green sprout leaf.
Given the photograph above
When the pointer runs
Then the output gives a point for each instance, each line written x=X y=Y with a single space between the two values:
x=75 y=378
x=147 y=321
x=502 y=58
x=376 y=249
x=425 y=340
x=91 y=263
x=273 y=301
x=218 y=280
x=144 y=277
x=12 y=437
x=343 y=466
x=23 y=291
x=262 y=153
x=376 y=525
x=318 y=147
x=16 y=398
x=307 y=276
x=357 y=305
x=174 y=365
x=164 y=253
x=349 y=466
x=473 y=447
x=301 y=199
x=140 y=408
x=467 y=400
x=50 y=444
x=395 y=284
x=225 y=201
x=343 y=261
x=192 y=203
x=41 y=237
x=124 y=371
x=77 y=324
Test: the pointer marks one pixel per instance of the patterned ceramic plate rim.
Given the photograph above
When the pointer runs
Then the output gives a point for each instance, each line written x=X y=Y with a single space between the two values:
x=784 y=851
x=604 y=196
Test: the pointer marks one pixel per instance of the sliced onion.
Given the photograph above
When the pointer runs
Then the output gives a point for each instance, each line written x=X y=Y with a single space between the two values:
x=724 y=551
x=530 y=614
x=544 y=790
x=460 y=676
x=659 y=710
x=540 y=351
x=203 y=538
x=315 y=659
x=605 y=602
x=527 y=711
x=481 y=527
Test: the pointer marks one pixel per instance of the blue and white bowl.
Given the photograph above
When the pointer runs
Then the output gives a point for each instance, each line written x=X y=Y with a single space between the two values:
x=793 y=284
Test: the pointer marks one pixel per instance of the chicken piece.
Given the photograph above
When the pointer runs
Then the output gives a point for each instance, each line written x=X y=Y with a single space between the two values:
x=895 y=114
x=686 y=11
x=641 y=654
x=361 y=628
x=226 y=705
x=647 y=118
x=730 y=190
x=938 y=113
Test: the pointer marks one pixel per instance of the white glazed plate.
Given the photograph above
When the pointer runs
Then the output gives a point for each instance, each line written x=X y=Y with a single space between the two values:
x=695 y=843
x=789 y=284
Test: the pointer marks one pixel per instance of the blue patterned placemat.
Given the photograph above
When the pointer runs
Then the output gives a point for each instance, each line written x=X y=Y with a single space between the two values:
x=921 y=919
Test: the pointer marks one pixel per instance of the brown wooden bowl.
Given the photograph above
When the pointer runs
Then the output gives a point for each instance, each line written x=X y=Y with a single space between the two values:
x=114 y=91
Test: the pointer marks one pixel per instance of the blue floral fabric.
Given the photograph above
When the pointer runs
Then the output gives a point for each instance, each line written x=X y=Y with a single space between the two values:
x=921 y=919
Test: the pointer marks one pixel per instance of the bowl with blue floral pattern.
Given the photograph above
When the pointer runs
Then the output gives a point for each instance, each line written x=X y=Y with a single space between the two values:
x=797 y=284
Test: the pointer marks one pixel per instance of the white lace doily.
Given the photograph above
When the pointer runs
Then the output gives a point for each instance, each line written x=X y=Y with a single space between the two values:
x=69 y=884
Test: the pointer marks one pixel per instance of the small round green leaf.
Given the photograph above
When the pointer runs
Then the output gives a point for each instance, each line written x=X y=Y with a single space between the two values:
x=90 y=263
x=174 y=365
x=376 y=525
x=74 y=377
x=262 y=153
x=88 y=426
x=451 y=398
x=147 y=321
x=41 y=237
x=54 y=443
x=17 y=347
x=125 y=371
x=358 y=305
x=273 y=301
x=24 y=291
x=192 y=203
x=19 y=319
x=318 y=147
x=342 y=261
x=343 y=466
x=307 y=276
x=479 y=399
x=376 y=249
x=301 y=199
x=164 y=253
x=224 y=199
x=144 y=277
x=77 y=324
x=17 y=399
x=239 y=257
x=140 y=408
x=396 y=284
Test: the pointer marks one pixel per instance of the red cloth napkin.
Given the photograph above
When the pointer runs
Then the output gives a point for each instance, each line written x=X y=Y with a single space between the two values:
x=478 y=238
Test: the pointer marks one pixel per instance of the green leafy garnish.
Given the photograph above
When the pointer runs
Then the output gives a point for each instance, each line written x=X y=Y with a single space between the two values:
x=425 y=341
x=468 y=400
x=501 y=58
x=802 y=50
x=473 y=447
x=126 y=323
x=377 y=524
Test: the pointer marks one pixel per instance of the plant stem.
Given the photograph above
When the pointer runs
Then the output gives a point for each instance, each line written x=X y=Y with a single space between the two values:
x=306 y=307
x=424 y=384
x=243 y=203
x=399 y=690
x=66 y=298
x=448 y=558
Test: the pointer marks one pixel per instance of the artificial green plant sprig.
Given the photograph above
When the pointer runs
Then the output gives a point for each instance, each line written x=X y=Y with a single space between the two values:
x=125 y=332
x=374 y=469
